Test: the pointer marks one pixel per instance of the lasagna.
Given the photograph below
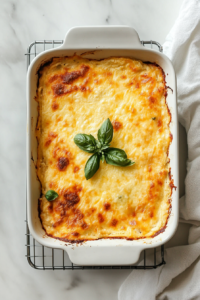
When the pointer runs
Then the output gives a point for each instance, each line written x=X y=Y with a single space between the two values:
x=76 y=95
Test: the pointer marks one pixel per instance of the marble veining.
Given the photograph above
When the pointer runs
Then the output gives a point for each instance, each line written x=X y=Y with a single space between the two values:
x=21 y=23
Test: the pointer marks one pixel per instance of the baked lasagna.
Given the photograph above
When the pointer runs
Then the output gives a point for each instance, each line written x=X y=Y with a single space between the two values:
x=76 y=95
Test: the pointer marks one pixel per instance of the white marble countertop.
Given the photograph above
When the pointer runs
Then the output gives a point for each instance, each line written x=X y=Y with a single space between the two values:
x=22 y=22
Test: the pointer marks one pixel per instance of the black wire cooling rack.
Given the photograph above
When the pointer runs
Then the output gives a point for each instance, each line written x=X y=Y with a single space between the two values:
x=44 y=258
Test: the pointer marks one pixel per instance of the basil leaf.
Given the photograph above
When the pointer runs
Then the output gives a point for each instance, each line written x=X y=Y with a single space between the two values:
x=85 y=142
x=116 y=151
x=105 y=133
x=117 y=157
x=92 y=165
x=51 y=195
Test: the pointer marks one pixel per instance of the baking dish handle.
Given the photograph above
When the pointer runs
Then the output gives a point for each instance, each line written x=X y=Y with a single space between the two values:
x=94 y=255
x=102 y=37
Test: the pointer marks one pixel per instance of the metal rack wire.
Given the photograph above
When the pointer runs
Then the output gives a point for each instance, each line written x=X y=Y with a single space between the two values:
x=43 y=258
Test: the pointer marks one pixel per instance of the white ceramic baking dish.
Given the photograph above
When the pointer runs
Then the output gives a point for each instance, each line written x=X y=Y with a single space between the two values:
x=107 y=41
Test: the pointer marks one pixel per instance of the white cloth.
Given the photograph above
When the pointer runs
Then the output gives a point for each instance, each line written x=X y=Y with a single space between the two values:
x=180 y=277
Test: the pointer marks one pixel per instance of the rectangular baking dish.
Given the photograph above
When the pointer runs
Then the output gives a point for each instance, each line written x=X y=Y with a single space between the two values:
x=99 y=42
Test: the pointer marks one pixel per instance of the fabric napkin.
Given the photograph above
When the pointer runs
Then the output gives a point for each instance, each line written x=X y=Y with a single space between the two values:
x=182 y=46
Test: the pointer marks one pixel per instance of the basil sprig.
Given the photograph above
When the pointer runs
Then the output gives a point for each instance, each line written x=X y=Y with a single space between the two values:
x=51 y=195
x=101 y=149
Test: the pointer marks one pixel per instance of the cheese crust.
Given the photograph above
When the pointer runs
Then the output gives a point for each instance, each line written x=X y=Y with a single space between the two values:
x=76 y=95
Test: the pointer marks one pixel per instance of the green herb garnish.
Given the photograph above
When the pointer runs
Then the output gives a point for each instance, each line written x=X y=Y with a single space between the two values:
x=85 y=142
x=153 y=118
x=117 y=157
x=101 y=149
x=51 y=195
x=105 y=133
x=92 y=165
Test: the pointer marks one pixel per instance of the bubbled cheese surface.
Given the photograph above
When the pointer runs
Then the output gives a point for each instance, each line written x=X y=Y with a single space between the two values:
x=76 y=95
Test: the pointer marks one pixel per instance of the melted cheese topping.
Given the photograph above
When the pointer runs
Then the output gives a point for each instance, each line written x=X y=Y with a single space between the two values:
x=76 y=95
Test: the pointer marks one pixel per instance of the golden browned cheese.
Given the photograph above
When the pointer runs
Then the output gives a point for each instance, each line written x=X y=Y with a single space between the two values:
x=76 y=95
